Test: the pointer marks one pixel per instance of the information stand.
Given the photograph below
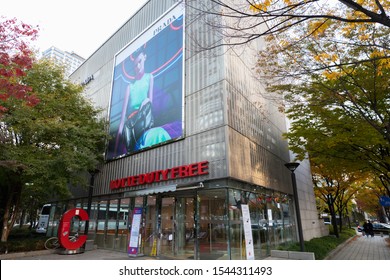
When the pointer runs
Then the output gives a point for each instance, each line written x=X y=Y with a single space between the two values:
x=133 y=248
x=246 y=219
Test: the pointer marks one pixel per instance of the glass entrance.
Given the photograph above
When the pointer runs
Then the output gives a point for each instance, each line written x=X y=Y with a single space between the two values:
x=177 y=227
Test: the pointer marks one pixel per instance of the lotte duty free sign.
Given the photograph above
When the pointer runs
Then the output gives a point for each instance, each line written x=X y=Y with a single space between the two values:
x=178 y=172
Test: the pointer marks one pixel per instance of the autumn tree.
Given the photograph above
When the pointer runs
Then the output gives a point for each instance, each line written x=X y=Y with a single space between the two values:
x=335 y=187
x=46 y=147
x=329 y=62
x=15 y=59
x=244 y=21
x=367 y=199
x=342 y=112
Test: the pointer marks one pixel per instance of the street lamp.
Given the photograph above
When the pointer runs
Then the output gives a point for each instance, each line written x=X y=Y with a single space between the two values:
x=292 y=166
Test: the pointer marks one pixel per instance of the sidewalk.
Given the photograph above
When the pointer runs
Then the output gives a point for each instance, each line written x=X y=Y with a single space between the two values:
x=97 y=254
x=357 y=248
x=363 y=248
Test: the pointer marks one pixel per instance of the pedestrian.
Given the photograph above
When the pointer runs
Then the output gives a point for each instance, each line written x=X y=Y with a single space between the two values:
x=368 y=229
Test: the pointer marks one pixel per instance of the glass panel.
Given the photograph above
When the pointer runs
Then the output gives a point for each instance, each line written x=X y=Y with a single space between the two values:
x=261 y=227
x=167 y=226
x=150 y=225
x=101 y=223
x=185 y=227
x=257 y=208
x=275 y=220
x=289 y=233
x=237 y=249
x=123 y=228
x=54 y=219
x=112 y=226
x=92 y=219
x=212 y=234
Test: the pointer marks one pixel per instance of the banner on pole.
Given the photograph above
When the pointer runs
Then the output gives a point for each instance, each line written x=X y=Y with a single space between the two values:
x=246 y=219
x=133 y=247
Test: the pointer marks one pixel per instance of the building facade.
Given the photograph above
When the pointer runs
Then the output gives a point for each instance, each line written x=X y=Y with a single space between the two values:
x=209 y=144
x=70 y=60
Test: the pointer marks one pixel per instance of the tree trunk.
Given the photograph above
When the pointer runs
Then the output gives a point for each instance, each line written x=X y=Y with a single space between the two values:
x=333 y=215
x=6 y=226
x=340 y=220
x=12 y=203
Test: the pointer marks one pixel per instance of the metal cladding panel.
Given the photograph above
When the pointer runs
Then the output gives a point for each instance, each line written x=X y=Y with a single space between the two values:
x=206 y=146
x=227 y=121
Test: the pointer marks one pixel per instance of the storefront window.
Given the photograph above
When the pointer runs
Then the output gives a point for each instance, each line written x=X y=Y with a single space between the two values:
x=259 y=223
x=213 y=225
x=167 y=226
x=101 y=223
x=150 y=235
x=270 y=221
x=92 y=219
x=237 y=245
x=123 y=229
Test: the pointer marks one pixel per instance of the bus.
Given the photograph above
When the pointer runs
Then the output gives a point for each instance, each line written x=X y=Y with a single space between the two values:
x=43 y=221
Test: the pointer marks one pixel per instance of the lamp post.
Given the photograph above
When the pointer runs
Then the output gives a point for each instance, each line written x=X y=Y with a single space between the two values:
x=292 y=166
x=90 y=193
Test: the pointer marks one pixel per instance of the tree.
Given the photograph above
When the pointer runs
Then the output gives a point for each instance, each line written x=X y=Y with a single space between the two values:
x=367 y=199
x=247 y=20
x=46 y=147
x=340 y=111
x=335 y=187
x=15 y=59
x=330 y=65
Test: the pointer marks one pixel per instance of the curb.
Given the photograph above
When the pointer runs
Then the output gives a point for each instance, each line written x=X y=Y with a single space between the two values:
x=11 y=256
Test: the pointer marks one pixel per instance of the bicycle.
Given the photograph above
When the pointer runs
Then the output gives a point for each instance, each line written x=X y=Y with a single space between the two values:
x=53 y=242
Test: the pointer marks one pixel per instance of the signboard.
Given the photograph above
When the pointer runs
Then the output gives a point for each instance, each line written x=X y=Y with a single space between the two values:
x=64 y=229
x=178 y=172
x=384 y=201
x=147 y=103
x=134 y=233
x=246 y=219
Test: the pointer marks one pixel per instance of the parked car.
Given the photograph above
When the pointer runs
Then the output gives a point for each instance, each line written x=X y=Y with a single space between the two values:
x=377 y=228
x=381 y=227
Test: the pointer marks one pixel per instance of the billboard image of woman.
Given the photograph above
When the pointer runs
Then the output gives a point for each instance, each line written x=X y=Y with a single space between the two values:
x=147 y=91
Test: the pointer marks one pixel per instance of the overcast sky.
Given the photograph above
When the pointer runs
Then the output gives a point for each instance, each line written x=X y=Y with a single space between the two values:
x=80 y=26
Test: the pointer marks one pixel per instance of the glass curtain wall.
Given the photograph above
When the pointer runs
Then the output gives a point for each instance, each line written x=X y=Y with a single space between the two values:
x=185 y=227
x=212 y=225
x=205 y=225
x=271 y=222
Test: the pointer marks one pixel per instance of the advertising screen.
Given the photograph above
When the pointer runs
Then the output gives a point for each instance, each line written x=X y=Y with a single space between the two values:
x=146 y=106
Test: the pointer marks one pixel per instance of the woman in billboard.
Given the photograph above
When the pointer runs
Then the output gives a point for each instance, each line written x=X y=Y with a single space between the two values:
x=137 y=122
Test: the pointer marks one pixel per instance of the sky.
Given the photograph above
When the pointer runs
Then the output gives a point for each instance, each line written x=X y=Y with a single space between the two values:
x=79 y=26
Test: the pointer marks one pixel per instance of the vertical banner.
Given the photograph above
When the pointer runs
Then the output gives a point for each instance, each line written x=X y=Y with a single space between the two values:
x=246 y=219
x=134 y=233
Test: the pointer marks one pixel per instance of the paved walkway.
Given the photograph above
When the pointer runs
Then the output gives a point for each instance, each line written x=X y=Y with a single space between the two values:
x=363 y=248
x=356 y=248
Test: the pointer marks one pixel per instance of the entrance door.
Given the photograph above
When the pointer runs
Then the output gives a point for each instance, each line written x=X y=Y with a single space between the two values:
x=177 y=227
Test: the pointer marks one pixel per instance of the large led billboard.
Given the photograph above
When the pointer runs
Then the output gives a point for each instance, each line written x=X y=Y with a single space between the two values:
x=146 y=106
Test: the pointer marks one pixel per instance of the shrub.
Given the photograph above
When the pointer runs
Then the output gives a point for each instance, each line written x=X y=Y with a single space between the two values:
x=322 y=246
x=22 y=240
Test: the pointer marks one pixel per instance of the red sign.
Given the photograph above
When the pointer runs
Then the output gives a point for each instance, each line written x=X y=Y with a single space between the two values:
x=64 y=229
x=183 y=171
